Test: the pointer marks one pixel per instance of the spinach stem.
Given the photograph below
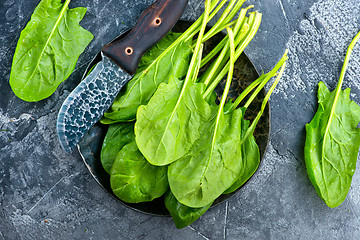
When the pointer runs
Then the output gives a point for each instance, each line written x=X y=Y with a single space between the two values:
x=224 y=54
x=225 y=18
x=198 y=63
x=266 y=79
x=192 y=66
x=341 y=80
x=220 y=21
x=251 y=129
x=253 y=29
x=196 y=26
x=346 y=63
x=217 y=49
x=234 y=11
x=231 y=69
x=244 y=93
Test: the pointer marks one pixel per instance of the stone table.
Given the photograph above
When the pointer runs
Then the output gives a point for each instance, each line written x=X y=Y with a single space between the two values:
x=46 y=194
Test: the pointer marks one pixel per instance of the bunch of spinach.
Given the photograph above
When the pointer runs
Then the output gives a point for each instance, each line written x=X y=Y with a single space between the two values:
x=169 y=57
x=169 y=124
x=48 y=49
x=185 y=144
x=333 y=140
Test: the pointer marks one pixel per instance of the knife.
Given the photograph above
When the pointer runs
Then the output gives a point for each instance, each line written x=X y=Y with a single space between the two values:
x=87 y=103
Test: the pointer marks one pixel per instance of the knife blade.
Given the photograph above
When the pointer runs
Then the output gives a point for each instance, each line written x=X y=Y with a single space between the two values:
x=87 y=103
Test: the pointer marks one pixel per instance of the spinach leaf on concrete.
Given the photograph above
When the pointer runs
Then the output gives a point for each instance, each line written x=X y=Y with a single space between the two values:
x=332 y=145
x=117 y=136
x=155 y=68
x=135 y=180
x=48 y=49
x=333 y=140
x=182 y=215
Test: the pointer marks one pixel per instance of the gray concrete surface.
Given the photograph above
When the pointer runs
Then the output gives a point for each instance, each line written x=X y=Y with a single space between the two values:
x=46 y=194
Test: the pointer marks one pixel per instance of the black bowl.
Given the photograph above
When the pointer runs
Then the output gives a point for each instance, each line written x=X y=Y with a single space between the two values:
x=244 y=74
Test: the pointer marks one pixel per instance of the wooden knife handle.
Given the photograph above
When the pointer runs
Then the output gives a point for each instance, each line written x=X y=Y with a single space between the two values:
x=153 y=24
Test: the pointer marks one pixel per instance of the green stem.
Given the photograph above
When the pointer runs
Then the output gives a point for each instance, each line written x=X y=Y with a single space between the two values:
x=191 y=69
x=244 y=93
x=221 y=45
x=223 y=21
x=217 y=31
x=268 y=76
x=251 y=129
x=198 y=63
x=231 y=70
x=234 y=11
x=224 y=55
x=239 y=50
x=212 y=15
x=220 y=21
x=346 y=62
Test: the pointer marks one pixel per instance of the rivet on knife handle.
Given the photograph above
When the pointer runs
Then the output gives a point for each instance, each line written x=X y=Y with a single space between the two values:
x=152 y=25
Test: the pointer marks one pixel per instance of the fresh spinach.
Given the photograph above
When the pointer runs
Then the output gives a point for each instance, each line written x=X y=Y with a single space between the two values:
x=117 y=136
x=48 y=49
x=167 y=127
x=135 y=180
x=156 y=66
x=250 y=155
x=182 y=215
x=226 y=155
x=213 y=163
x=333 y=141
x=183 y=138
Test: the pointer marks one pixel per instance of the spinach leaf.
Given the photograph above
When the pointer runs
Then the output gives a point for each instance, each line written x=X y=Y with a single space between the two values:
x=117 y=136
x=333 y=140
x=182 y=215
x=134 y=180
x=48 y=49
x=332 y=145
x=155 y=68
x=250 y=158
x=168 y=125
x=212 y=165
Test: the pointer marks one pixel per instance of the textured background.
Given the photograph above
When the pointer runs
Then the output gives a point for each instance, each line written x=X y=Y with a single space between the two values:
x=39 y=182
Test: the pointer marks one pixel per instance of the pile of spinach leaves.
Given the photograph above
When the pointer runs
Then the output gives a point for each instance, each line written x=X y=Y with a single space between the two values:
x=168 y=137
x=333 y=140
x=48 y=49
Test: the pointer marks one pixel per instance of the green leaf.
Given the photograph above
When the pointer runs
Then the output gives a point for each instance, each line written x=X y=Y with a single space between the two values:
x=153 y=70
x=332 y=145
x=212 y=165
x=117 y=136
x=48 y=49
x=182 y=215
x=134 y=180
x=250 y=158
x=169 y=124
